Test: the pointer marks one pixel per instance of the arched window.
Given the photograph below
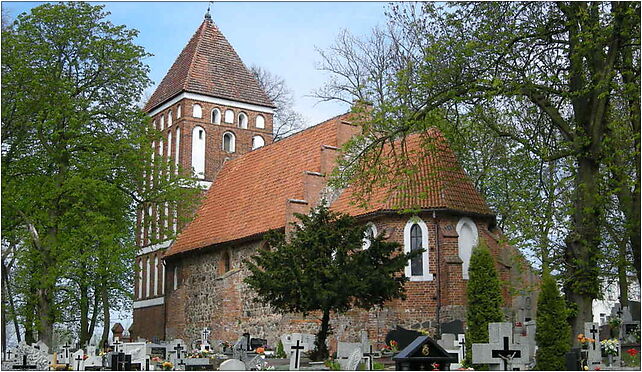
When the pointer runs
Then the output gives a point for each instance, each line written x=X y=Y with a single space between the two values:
x=140 y=278
x=243 y=120
x=216 y=116
x=257 y=141
x=415 y=238
x=229 y=116
x=225 y=264
x=466 y=241
x=197 y=111
x=162 y=122
x=169 y=119
x=160 y=149
x=163 y=277
x=260 y=121
x=198 y=152
x=156 y=275
x=178 y=147
x=178 y=112
x=148 y=276
x=150 y=226
x=175 y=277
x=370 y=233
x=229 y=142
x=169 y=144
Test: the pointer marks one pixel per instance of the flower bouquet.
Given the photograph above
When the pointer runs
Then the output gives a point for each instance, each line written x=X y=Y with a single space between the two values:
x=167 y=366
x=585 y=341
x=610 y=346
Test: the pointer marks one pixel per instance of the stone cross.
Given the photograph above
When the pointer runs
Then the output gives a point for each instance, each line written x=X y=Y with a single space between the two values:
x=295 y=363
x=204 y=335
x=7 y=354
x=178 y=349
x=506 y=354
x=368 y=356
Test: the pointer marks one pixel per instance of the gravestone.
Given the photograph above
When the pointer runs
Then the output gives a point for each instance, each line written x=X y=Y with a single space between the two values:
x=78 y=360
x=65 y=356
x=353 y=360
x=592 y=330
x=305 y=339
x=137 y=351
x=501 y=353
x=41 y=346
x=456 y=327
x=232 y=365
x=28 y=356
x=423 y=354
x=296 y=352
x=402 y=336
x=452 y=345
x=205 y=345
x=345 y=349
x=368 y=357
x=176 y=351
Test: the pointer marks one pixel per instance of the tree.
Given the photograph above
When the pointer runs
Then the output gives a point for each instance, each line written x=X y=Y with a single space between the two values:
x=553 y=331
x=75 y=155
x=323 y=267
x=286 y=120
x=557 y=80
x=484 y=298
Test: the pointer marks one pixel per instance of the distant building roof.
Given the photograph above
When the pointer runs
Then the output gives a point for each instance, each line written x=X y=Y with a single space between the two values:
x=209 y=65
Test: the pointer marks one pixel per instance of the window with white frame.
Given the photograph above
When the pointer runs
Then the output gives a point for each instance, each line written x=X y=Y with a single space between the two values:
x=140 y=278
x=216 y=116
x=243 y=120
x=198 y=151
x=169 y=119
x=229 y=142
x=229 y=116
x=148 y=277
x=257 y=141
x=162 y=122
x=169 y=144
x=156 y=275
x=415 y=238
x=197 y=111
x=178 y=112
x=260 y=121
x=370 y=234
x=163 y=277
x=467 y=240
x=175 y=277
x=177 y=151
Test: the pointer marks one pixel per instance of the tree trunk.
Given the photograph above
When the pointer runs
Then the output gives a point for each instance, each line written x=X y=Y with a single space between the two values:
x=106 y=320
x=621 y=273
x=45 y=315
x=84 y=314
x=321 y=349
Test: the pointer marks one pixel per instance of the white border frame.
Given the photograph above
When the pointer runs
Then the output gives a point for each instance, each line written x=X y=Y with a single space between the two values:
x=473 y=226
x=425 y=255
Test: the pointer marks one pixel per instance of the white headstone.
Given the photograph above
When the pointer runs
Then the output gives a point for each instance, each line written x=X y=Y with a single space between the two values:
x=205 y=345
x=592 y=330
x=232 y=365
x=501 y=352
x=353 y=361
x=296 y=352
x=345 y=349
x=78 y=360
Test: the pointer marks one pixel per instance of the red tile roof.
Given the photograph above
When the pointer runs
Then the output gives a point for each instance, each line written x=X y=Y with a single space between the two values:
x=250 y=193
x=439 y=182
x=209 y=65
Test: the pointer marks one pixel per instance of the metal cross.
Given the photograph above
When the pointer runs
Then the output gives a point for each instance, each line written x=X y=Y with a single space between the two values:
x=7 y=354
x=594 y=332
x=369 y=357
x=66 y=348
x=462 y=344
x=296 y=351
x=178 y=349
x=79 y=358
x=117 y=344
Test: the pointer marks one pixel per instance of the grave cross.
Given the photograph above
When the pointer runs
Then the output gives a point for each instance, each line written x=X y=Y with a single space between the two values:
x=79 y=359
x=24 y=364
x=117 y=345
x=369 y=356
x=178 y=349
x=204 y=335
x=506 y=354
x=462 y=344
x=296 y=353
x=66 y=348
x=593 y=331
x=8 y=354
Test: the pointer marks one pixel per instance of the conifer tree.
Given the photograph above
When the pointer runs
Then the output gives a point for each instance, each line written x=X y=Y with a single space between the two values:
x=553 y=330
x=324 y=268
x=484 y=298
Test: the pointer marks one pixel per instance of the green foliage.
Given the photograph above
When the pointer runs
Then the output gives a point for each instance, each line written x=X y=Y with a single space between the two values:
x=322 y=267
x=484 y=298
x=553 y=334
x=333 y=365
x=75 y=155
x=280 y=352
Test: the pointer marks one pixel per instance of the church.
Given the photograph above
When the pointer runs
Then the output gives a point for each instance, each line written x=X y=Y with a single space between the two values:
x=217 y=121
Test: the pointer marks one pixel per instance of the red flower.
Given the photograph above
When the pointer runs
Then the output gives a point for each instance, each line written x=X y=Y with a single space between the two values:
x=632 y=352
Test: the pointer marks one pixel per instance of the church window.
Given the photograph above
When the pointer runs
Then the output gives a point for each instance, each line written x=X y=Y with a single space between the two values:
x=197 y=111
x=162 y=277
x=177 y=152
x=243 y=120
x=175 y=228
x=140 y=278
x=149 y=223
x=142 y=228
x=370 y=233
x=415 y=238
x=169 y=144
x=257 y=141
x=162 y=122
x=229 y=116
x=216 y=116
x=229 y=142
x=466 y=241
x=178 y=111
x=198 y=151
x=260 y=121
x=156 y=275
x=166 y=217
x=160 y=149
x=169 y=119
x=175 y=277
x=148 y=277
x=225 y=264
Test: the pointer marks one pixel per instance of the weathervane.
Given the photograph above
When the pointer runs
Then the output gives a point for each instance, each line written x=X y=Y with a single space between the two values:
x=207 y=15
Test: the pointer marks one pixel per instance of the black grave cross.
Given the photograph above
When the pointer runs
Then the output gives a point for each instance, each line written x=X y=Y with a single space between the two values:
x=369 y=356
x=593 y=331
x=462 y=344
x=66 y=347
x=24 y=365
x=117 y=345
x=178 y=349
x=296 y=353
x=7 y=354
x=506 y=354
x=79 y=359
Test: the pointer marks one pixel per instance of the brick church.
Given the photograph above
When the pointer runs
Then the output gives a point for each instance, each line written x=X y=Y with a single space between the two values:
x=218 y=122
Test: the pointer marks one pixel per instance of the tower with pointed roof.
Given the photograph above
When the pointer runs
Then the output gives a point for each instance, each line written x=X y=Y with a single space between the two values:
x=210 y=109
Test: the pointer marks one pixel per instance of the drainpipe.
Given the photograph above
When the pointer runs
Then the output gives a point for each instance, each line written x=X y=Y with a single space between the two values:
x=438 y=281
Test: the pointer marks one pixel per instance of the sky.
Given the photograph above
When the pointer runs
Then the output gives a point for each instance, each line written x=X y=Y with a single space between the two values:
x=280 y=37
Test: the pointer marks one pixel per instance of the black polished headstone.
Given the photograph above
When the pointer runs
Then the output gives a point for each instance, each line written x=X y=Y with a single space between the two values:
x=423 y=354
x=257 y=342
x=573 y=360
x=456 y=327
x=402 y=336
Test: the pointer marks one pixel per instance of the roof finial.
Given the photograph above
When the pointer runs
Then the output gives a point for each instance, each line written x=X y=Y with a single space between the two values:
x=207 y=15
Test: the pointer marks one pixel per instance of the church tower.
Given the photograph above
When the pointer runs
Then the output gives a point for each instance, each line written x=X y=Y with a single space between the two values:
x=210 y=108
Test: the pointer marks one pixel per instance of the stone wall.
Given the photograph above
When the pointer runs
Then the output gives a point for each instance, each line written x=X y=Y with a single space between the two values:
x=223 y=302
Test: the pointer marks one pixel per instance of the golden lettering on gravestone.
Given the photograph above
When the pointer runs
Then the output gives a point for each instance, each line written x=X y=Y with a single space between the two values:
x=425 y=350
